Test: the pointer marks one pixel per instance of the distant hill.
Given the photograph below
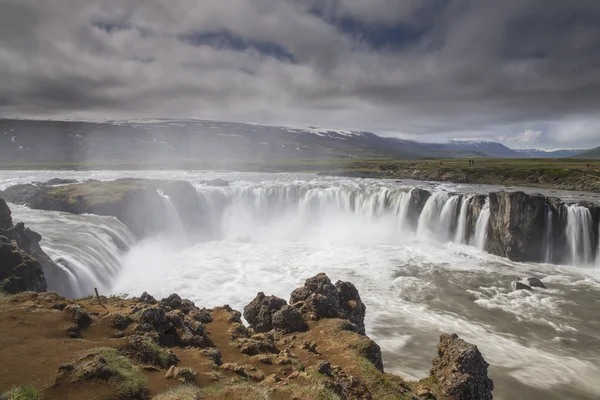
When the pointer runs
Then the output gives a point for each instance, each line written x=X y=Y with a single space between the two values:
x=591 y=154
x=536 y=153
x=164 y=140
x=491 y=149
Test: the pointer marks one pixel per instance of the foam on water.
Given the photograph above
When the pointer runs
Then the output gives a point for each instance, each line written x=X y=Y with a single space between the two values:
x=270 y=232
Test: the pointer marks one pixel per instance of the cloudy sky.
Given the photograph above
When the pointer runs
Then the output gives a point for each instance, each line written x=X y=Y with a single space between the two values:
x=525 y=72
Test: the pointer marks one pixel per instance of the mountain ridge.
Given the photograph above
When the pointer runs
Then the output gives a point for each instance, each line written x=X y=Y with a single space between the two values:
x=169 y=140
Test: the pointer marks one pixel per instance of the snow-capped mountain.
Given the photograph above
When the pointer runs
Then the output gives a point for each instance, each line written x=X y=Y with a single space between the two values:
x=540 y=153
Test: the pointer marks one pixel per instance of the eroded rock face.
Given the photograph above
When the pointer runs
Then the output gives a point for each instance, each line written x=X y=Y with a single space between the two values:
x=418 y=199
x=461 y=371
x=19 y=272
x=288 y=320
x=319 y=298
x=517 y=225
x=5 y=216
x=135 y=202
x=259 y=313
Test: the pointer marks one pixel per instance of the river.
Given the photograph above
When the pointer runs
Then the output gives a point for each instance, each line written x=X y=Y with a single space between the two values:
x=269 y=232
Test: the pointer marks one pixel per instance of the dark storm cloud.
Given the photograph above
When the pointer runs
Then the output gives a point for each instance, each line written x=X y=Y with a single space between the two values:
x=523 y=71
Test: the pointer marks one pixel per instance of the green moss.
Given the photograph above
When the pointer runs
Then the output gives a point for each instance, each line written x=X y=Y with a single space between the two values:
x=23 y=392
x=382 y=386
x=130 y=380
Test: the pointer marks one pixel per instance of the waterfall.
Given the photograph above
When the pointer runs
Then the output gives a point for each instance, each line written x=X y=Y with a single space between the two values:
x=579 y=235
x=448 y=217
x=548 y=256
x=88 y=248
x=430 y=216
x=481 y=227
x=461 y=231
x=172 y=216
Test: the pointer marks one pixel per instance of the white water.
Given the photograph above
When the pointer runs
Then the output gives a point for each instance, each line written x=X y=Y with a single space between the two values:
x=461 y=231
x=481 y=227
x=548 y=238
x=175 y=226
x=270 y=232
x=579 y=230
x=89 y=248
x=429 y=219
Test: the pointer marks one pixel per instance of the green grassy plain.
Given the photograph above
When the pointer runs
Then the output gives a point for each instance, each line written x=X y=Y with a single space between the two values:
x=564 y=173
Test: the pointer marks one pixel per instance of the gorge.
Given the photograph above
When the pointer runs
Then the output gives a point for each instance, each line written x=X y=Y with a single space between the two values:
x=425 y=257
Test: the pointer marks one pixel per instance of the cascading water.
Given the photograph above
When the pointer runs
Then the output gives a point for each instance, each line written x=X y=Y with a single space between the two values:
x=430 y=216
x=175 y=225
x=448 y=217
x=548 y=238
x=481 y=227
x=461 y=231
x=579 y=235
x=87 y=247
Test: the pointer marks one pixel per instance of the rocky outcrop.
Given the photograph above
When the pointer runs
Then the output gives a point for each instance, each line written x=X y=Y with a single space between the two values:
x=5 y=216
x=319 y=298
x=418 y=199
x=19 y=272
x=259 y=313
x=517 y=225
x=28 y=242
x=137 y=203
x=460 y=370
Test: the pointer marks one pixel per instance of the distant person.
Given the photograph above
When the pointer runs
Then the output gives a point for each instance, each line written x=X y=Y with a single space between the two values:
x=588 y=166
x=441 y=163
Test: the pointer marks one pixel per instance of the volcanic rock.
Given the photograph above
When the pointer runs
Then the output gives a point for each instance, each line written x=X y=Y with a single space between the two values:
x=461 y=371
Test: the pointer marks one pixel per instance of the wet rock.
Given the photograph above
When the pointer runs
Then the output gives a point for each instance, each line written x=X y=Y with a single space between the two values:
x=146 y=298
x=5 y=216
x=418 y=199
x=535 y=282
x=19 y=272
x=520 y=286
x=517 y=226
x=461 y=371
x=288 y=320
x=172 y=301
x=260 y=311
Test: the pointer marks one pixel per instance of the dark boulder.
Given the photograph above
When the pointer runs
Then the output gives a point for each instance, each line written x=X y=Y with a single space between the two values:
x=172 y=301
x=288 y=320
x=146 y=298
x=351 y=306
x=517 y=226
x=461 y=371
x=5 y=216
x=535 y=282
x=19 y=272
x=521 y=286
x=319 y=298
x=418 y=199
x=260 y=311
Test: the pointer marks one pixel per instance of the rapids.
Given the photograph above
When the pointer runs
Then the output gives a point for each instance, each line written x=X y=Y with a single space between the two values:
x=417 y=275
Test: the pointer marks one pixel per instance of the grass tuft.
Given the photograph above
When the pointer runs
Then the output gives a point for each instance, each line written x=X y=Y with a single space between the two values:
x=23 y=392
x=182 y=392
